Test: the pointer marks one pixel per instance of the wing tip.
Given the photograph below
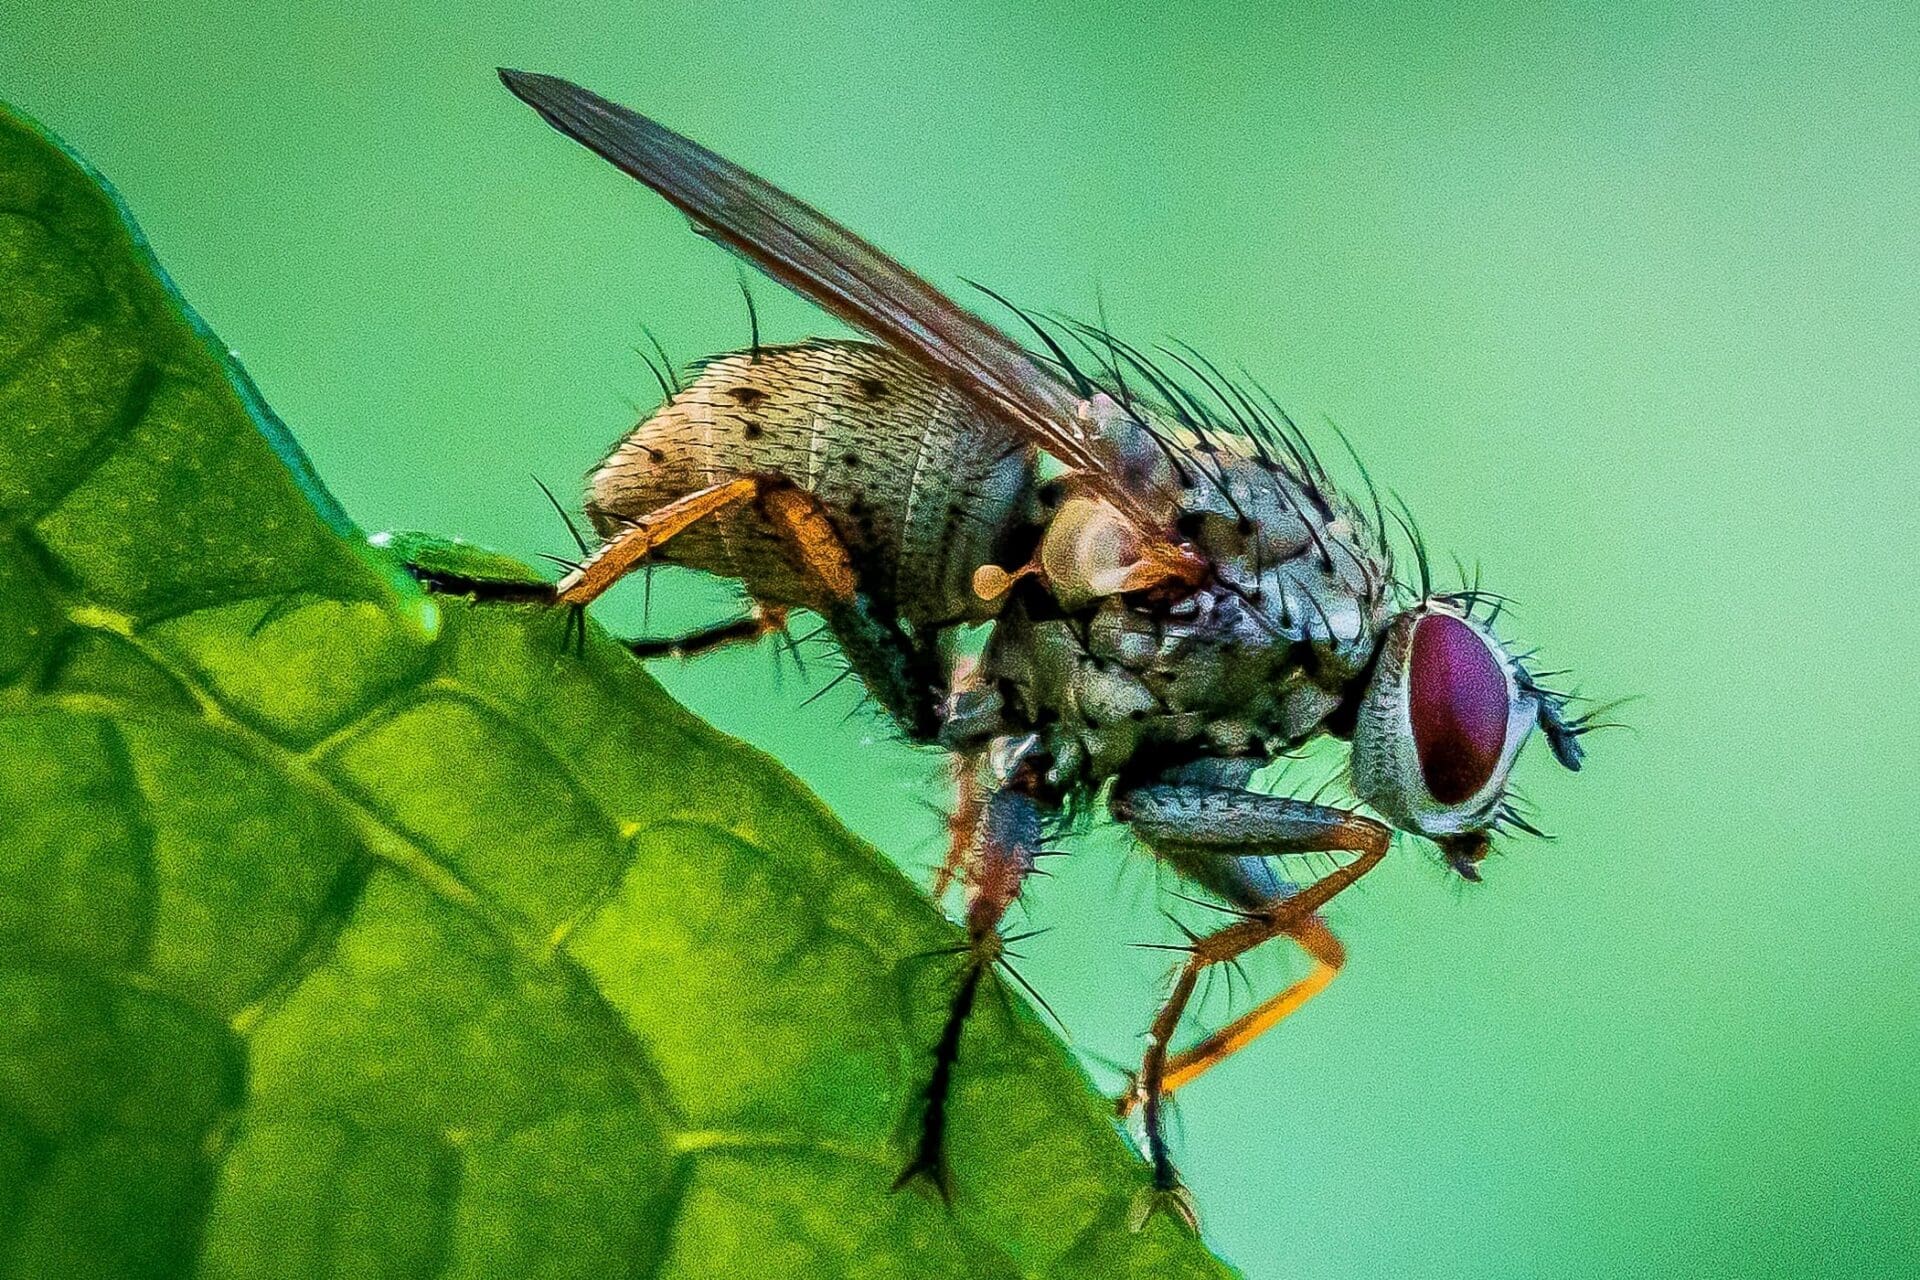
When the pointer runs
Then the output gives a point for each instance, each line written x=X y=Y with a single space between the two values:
x=532 y=86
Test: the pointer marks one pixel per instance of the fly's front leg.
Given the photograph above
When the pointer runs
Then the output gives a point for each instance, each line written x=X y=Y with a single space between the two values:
x=1218 y=836
x=1004 y=846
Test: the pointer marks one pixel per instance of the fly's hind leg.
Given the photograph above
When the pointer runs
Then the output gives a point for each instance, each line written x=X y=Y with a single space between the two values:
x=900 y=672
x=608 y=563
x=1219 y=836
x=765 y=620
x=963 y=820
x=626 y=550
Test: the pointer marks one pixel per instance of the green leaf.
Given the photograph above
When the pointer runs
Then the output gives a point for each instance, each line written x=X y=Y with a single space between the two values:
x=348 y=931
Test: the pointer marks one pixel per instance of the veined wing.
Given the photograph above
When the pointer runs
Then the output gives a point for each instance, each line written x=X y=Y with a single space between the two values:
x=823 y=261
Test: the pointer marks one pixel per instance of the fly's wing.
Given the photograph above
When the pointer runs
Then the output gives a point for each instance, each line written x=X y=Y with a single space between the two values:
x=823 y=261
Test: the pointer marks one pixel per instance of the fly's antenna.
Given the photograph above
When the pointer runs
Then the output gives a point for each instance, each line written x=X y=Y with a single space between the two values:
x=1564 y=732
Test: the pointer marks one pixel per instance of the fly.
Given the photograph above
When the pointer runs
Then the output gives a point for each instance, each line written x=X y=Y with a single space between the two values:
x=1175 y=592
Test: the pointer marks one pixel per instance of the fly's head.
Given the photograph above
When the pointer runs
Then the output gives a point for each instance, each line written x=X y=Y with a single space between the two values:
x=1441 y=721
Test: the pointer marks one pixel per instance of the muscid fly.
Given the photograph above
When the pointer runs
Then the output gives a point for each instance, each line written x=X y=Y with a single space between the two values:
x=1175 y=593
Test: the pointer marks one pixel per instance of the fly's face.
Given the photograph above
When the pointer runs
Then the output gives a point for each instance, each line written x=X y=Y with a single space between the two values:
x=1441 y=722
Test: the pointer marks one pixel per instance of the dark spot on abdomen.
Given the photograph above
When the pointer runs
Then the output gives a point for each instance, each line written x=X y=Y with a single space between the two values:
x=746 y=397
x=872 y=388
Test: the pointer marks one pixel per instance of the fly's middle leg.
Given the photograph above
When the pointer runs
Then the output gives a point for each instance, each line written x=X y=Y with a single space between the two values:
x=1006 y=841
x=963 y=821
x=1220 y=836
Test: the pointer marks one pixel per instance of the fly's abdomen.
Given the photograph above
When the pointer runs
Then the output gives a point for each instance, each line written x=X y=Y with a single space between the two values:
x=920 y=488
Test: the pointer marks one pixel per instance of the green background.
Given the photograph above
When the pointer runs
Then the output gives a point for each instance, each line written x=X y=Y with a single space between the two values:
x=1625 y=303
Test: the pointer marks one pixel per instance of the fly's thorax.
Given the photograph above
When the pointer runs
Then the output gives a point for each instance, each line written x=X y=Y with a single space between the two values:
x=919 y=487
x=1251 y=662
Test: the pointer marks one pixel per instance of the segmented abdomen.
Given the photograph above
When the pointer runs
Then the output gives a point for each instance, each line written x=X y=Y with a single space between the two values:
x=920 y=488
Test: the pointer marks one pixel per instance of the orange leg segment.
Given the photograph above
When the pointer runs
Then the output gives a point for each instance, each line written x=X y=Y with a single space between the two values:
x=963 y=822
x=796 y=515
x=1191 y=1063
x=1293 y=916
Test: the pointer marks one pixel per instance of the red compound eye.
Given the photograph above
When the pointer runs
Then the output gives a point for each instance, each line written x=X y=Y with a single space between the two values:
x=1457 y=699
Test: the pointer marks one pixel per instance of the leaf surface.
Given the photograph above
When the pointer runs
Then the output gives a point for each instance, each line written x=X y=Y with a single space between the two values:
x=346 y=931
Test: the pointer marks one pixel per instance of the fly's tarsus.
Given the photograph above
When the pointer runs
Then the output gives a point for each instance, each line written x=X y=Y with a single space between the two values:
x=929 y=1153
x=764 y=620
x=444 y=582
x=441 y=582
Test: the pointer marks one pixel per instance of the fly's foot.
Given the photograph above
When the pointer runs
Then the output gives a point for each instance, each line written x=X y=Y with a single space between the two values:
x=1175 y=1201
x=443 y=581
x=929 y=1164
x=453 y=568
x=573 y=624
x=483 y=577
x=930 y=1145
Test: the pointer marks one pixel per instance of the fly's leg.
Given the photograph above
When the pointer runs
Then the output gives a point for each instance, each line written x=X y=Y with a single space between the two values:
x=963 y=822
x=1327 y=954
x=1219 y=836
x=608 y=563
x=626 y=550
x=903 y=676
x=796 y=517
x=1002 y=854
x=485 y=590
x=763 y=621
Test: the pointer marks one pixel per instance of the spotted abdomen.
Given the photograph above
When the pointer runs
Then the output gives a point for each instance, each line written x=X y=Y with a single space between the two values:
x=920 y=488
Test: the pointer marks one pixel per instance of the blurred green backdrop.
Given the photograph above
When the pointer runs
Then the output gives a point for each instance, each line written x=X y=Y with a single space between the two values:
x=1624 y=302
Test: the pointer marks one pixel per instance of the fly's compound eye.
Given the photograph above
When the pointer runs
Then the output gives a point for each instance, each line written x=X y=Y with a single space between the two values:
x=1440 y=724
x=1457 y=704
